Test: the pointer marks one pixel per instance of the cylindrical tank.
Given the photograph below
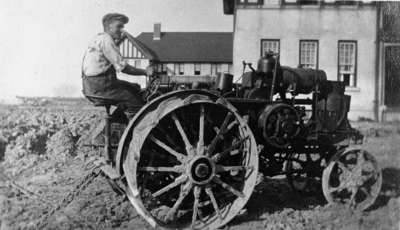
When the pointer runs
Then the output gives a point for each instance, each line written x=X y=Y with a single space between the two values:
x=302 y=81
x=266 y=64
x=224 y=82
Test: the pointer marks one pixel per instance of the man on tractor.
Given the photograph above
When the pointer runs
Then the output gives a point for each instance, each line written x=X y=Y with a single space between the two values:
x=103 y=60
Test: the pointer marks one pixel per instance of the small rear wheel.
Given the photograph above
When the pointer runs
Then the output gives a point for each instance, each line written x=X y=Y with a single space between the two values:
x=352 y=178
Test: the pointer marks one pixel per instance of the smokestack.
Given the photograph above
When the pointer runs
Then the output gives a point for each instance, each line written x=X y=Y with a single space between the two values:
x=157 y=31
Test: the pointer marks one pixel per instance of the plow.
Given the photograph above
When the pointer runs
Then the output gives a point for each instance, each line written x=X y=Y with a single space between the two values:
x=191 y=156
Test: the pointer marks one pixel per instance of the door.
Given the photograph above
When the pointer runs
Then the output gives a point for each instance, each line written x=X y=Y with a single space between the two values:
x=392 y=76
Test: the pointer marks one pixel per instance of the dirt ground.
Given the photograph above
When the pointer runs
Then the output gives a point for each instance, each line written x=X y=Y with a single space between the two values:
x=41 y=162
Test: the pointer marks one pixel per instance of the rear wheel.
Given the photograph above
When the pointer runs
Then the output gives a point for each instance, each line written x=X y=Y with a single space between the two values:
x=192 y=163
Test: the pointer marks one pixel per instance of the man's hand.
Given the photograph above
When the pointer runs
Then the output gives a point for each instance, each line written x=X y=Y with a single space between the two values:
x=150 y=70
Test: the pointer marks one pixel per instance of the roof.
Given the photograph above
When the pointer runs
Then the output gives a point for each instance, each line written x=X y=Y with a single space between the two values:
x=198 y=47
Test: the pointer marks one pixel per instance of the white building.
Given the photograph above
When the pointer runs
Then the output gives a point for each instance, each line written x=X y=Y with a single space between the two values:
x=181 y=54
x=340 y=37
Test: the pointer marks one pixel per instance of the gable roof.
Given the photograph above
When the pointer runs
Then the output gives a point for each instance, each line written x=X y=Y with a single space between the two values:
x=189 y=46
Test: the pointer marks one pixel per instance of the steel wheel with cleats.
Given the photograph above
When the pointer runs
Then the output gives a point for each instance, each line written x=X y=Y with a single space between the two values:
x=353 y=178
x=192 y=163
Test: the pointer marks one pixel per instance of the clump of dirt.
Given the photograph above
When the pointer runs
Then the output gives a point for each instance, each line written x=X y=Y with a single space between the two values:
x=61 y=145
x=3 y=145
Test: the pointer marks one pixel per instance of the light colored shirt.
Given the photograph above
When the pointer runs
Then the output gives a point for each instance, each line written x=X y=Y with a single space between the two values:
x=101 y=54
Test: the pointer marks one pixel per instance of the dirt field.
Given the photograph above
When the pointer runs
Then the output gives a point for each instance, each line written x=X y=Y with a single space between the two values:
x=41 y=161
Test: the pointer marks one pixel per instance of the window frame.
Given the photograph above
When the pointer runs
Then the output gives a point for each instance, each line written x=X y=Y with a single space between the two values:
x=317 y=53
x=181 y=67
x=269 y=40
x=246 y=2
x=298 y=2
x=355 y=61
x=199 y=70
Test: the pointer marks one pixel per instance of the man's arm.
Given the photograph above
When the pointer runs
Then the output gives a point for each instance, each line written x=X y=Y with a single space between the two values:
x=133 y=71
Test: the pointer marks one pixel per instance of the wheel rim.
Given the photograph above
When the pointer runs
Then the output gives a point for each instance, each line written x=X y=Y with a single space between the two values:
x=180 y=169
x=280 y=124
x=353 y=178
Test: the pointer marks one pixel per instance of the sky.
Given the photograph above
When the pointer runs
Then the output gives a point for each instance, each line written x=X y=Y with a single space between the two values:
x=42 y=41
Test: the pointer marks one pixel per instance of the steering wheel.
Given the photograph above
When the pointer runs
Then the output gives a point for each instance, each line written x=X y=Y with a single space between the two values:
x=152 y=88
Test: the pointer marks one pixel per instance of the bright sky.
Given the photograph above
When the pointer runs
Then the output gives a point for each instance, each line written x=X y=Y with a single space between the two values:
x=43 y=41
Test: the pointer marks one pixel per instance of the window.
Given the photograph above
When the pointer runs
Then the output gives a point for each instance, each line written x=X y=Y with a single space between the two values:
x=347 y=63
x=219 y=68
x=269 y=45
x=197 y=68
x=179 y=69
x=213 y=69
x=250 y=2
x=162 y=68
x=138 y=63
x=303 y=2
x=308 y=57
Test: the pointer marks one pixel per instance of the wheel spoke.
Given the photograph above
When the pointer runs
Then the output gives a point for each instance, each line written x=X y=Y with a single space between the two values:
x=219 y=156
x=179 y=156
x=214 y=202
x=228 y=187
x=179 y=180
x=221 y=131
x=176 y=169
x=200 y=148
x=183 y=134
x=364 y=190
x=343 y=167
x=352 y=201
x=184 y=192
x=337 y=189
x=196 y=193
x=223 y=168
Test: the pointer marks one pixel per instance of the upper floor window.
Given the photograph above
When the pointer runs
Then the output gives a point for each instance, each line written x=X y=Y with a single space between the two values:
x=197 y=68
x=308 y=57
x=269 y=45
x=347 y=62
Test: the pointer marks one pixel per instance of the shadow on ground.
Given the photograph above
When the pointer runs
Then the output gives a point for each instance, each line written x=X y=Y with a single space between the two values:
x=274 y=195
x=390 y=187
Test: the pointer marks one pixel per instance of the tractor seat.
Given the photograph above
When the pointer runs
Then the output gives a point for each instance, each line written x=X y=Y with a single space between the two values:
x=101 y=101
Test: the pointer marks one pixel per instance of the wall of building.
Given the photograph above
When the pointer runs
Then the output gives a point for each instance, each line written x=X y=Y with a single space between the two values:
x=205 y=68
x=328 y=25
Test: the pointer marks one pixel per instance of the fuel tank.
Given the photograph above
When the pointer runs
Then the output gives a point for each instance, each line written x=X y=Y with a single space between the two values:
x=301 y=81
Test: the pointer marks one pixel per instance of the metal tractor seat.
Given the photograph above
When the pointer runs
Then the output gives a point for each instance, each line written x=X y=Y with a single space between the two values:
x=107 y=103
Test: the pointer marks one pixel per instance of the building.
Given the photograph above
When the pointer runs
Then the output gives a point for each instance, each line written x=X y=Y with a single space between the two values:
x=190 y=54
x=344 y=38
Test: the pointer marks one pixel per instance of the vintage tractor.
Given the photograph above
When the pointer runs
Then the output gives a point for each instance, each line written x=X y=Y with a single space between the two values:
x=189 y=159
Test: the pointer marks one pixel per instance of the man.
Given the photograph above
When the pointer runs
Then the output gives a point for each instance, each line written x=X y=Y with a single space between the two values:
x=102 y=61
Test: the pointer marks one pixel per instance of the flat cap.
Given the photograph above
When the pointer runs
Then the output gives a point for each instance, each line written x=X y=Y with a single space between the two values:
x=108 y=18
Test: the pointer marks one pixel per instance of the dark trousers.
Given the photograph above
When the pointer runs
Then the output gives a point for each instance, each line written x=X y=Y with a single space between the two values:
x=107 y=86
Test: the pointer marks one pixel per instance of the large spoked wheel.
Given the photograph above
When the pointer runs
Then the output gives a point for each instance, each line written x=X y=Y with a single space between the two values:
x=304 y=172
x=192 y=163
x=353 y=178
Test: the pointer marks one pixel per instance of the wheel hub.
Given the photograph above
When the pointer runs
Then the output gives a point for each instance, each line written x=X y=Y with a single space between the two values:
x=201 y=170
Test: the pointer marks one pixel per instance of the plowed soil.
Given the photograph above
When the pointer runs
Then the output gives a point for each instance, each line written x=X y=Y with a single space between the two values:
x=41 y=161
